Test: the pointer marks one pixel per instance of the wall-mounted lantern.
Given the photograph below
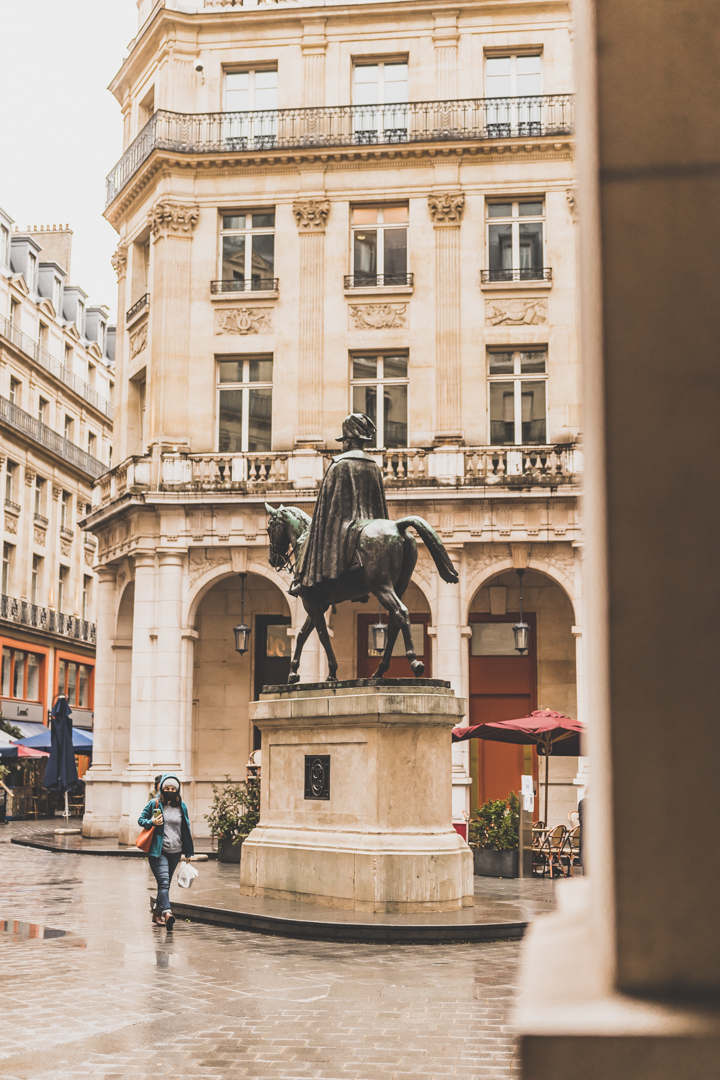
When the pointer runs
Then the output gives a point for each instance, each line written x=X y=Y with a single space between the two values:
x=521 y=630
x=379 y=633
x=242 y=632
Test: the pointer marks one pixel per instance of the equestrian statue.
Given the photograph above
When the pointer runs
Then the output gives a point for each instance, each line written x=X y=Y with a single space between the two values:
x=350 y=548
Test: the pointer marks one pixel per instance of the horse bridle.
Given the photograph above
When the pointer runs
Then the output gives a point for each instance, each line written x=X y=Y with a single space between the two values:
x=286 y=563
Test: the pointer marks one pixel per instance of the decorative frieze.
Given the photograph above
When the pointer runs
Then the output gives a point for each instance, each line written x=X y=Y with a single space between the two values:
x=39 y=535
x=65 y=547
x=244 y=320
x=446 y=208
x=174 y=219
x=311 y=214
x=205 y=559
x=138 y=340
x=524 y=311
x=378 y=316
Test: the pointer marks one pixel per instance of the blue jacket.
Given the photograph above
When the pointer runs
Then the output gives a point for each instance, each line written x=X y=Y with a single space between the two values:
x=145 y=821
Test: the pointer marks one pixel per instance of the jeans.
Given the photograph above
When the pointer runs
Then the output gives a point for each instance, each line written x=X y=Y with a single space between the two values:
x=163 y=867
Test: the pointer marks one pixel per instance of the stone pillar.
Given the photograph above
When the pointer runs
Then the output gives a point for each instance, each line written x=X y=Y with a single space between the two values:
x=447 y=664
x=313 y=45
x=171 y=225
x=97 y=812
x=119 y=265
x=445 y=39
x=311 y=216
x=169 y=707
x=142 y=704
x=625 y=980
x=446 y=211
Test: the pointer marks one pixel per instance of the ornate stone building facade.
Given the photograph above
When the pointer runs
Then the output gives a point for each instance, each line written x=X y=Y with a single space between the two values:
x=320 y=208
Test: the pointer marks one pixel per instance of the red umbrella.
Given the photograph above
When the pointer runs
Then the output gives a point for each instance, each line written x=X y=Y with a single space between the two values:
x=552 y=733
x=15 y=751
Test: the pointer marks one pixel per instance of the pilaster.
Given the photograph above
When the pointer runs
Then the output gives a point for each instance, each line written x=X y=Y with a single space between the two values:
x=446 y=211
x=445 y=40
x=311 y=216
x=313 y=46
x=169 y=703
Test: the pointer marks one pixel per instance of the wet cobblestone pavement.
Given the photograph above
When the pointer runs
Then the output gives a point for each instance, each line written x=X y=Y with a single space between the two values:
x=116 y=997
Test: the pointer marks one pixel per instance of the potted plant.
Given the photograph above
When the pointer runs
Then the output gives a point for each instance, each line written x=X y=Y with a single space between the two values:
x=494 y=837
x=234 y=813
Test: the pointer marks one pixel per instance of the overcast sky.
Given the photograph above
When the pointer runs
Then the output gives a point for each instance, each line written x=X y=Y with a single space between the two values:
x=61 y=127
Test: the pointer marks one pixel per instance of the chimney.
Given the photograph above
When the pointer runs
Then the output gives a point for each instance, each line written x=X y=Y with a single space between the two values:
x=56 y=242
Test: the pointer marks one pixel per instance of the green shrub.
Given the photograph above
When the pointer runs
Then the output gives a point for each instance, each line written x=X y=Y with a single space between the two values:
x=235 y=810
x=496 y=824
x=9 y=728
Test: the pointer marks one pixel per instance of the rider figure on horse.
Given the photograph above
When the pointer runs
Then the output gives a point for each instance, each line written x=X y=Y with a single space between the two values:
x=350 y=496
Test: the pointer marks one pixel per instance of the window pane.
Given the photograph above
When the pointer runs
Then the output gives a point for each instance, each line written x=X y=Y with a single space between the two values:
x=395 y=398
x=33 y=679
x=365 y=89
x=263 y=259
x=260 y=423
x=531 y=252
x=265 y=96
x=237 y=91
x=500 y=245
x=502 y=414
x=265 y=220
x=396 y=83
x=72 y=683
x=396 y=367
x=533 y=413
x=83 y=687
x=530 y=209
x=62 y=677
x=391 y=214
x=230 y=371
x=233 y=260
x=278 y=642
x=237 y=80
x=364 y=399
x=492 y=639
x=529 y=75
x=364 y=367
x=365 y=253
x=364 y=216
x=230 y=422
x=499 y=209
x=533 y=361
x=233 y=221
x=395 y=255
x=19 y=674
x=6 y=665
x=497 y=76
x=500 y=363
x=260 y=370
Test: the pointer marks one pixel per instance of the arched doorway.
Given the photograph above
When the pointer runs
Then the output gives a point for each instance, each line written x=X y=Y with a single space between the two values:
x=504 y=685
x=367 y=658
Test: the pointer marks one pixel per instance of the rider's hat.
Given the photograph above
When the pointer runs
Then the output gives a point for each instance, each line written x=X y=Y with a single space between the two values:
x=358 y=426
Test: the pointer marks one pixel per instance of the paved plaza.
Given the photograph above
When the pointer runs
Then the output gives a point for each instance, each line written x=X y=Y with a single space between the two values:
x=115 y=997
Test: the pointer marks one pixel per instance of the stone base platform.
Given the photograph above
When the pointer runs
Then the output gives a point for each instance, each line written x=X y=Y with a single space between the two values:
x=356 y=809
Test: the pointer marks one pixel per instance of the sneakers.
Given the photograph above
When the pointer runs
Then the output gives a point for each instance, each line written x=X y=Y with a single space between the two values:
x=169 y=920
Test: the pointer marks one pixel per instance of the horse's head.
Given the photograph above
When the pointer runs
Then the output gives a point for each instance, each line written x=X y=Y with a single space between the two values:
x=279 y=537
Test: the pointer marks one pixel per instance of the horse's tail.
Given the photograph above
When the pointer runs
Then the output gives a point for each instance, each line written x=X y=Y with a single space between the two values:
x=434 y=545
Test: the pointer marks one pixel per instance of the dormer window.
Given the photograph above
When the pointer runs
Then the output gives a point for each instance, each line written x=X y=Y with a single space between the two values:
x=4 y=245
x=31 y=270
x=56 y=294
x=80 y=320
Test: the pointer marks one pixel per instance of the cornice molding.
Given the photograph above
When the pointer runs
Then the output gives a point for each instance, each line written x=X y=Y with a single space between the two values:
x=446 y=209
x=173 y=219
x=311 y=214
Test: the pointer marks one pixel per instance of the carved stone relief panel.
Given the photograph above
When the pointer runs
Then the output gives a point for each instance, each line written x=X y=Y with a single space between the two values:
x=446 y=208
x=173 y=218
x=522 y=311
x=138 y=340
x=311 y=214
x=244 y=320
x=39 y=535
x=204 y=559
x=378 y=316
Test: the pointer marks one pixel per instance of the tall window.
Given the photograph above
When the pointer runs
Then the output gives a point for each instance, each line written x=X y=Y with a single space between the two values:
x=251 y=91
x=4 y=245
x=42 y=410
x=56 y=294
x=245 y=405
x=31 y=268
x=65 y=510
x=379 y=386
x=380 y=92
x=7 y=565
x=36 y=579
x=43 y=336
x=515 y=240
x=80 y=320
x=15 y=314
x=512 y=82
x=86 y=596
x=11 y=472
x=68 y=428
x=247 y=249
x=21 y=674
x=40 y=489
x=68 y=357
x=517 y=383
x=379 y=243
x=63 y=583
x=74 y=682
x=15 y=391
x=92 y=444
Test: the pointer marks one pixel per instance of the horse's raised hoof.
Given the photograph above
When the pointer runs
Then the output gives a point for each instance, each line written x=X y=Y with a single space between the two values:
x=418 y=668
x=294 y=677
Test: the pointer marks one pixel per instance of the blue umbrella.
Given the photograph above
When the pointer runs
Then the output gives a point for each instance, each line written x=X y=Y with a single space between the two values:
x=82 y=741
x=61 y=773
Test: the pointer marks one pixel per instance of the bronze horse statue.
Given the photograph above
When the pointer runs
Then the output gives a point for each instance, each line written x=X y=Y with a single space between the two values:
x=385 y=557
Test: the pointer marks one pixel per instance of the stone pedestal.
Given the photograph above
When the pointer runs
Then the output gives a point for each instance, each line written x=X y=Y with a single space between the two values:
x=356 y=799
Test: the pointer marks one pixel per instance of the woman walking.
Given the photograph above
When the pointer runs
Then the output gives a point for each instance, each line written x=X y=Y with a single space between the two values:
x=171 y=842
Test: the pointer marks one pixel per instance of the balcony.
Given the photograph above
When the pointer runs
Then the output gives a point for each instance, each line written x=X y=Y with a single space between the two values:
x=32 y=428
x=54 y=367
x=45 y=619
x=139 y=306
x=360 y=126
x=230 y=286
x=377 y=281
x=526 y=275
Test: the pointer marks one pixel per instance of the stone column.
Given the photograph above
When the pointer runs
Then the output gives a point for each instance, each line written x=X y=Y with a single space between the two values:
x=446 y=211
x=142 y=704
x=168 y=389
x=169 y=706
x=447 y=664
x=119 y=265
x=625 y=980
x=97 y=819
x=311 y=216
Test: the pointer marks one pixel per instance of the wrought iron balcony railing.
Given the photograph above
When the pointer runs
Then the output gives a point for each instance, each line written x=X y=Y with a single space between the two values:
x=40 y=433
x=524 y=273
x=143 y=302
x=42 y=618
x=469 y=119
x=376 y=281
x=256 y=284
x=54 y=367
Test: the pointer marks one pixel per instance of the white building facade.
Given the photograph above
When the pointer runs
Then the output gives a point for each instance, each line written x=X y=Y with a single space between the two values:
x=326 y=208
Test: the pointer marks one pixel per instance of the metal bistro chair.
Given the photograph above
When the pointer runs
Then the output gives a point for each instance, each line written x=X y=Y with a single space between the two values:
x=539 y=832
x=571 y=850
x=552 y=850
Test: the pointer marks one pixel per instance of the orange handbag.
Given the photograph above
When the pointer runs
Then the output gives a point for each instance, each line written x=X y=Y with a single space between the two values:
x=145 y=838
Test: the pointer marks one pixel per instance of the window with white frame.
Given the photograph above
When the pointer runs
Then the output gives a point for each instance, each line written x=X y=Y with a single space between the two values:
x=515 y=240
x=92 y=444
x=80 y=320
x=251 y=98
x=11 y=474
x=247 y=250
x=63 y=585
x=517 y=395
x=513 y=85
x=21 y=674
x=43 y=334
x=379 y=388
x=31 y=268
x=7 y=567
x=4 y=245
x=43 y=405
x=15 y=391
x=66 y=510
x=86 y=596
x=40 y=494
x=15 y=314
x=379 y=245
x=245 y=404
x=380 y=94
x=68 y=428
x=36 y=579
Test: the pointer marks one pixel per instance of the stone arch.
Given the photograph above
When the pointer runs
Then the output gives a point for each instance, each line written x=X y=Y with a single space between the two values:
x=480 y=577
x=218 y=571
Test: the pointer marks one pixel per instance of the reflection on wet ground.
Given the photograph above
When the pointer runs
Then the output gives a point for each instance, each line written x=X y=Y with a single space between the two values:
x=212 y=1003
x=28 y=930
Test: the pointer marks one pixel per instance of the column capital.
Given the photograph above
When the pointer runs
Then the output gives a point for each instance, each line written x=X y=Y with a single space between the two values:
x=118 y=262
x=144 y=559
x=171 y=558
x=446 y=208
x=173 y=219
x=106 y=575
x=311 y=214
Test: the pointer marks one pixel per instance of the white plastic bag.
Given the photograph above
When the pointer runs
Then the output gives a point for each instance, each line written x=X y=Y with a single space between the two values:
x=186 y=875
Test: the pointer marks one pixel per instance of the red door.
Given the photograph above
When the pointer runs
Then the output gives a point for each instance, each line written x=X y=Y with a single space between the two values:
x=503 y=686
x=399 y=668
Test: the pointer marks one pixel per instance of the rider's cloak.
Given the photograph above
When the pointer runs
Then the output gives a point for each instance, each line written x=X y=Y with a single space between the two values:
x=350 y=495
